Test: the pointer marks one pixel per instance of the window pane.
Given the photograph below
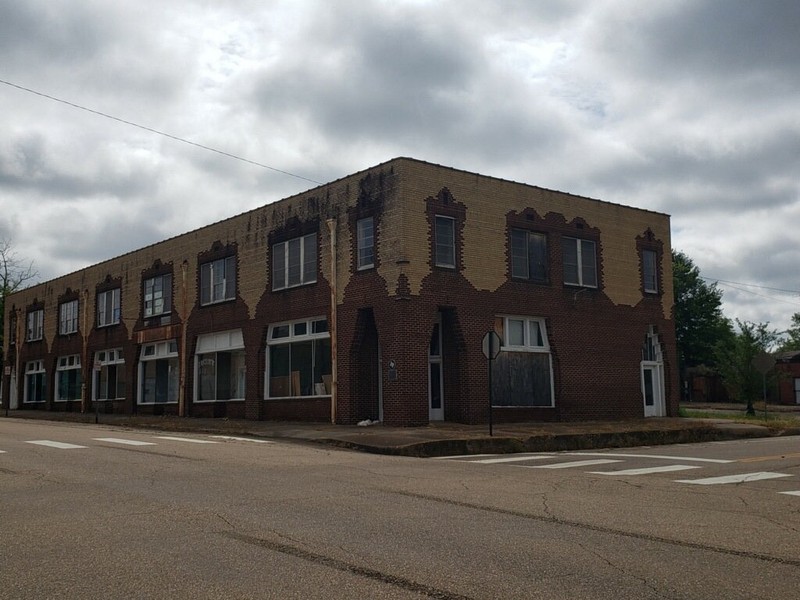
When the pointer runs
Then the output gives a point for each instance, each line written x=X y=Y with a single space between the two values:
x=588 y=263
x=445 y=242
x=300 y=328
x=322 y=366
x=366 y=255
x=280 y=331
x=515 y=333
x=536 y=338
x=293 y=268
x=570 y=260
x=537 y=256
x=279 y=380
x=519 y=254
x=649 y=271
x=302 y=360
x=206 y=372
x=166 y=284
x=217 y=280
x=320 y=326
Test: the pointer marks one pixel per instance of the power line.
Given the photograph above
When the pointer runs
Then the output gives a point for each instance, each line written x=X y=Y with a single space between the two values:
x=762 y=287
x=157 y=132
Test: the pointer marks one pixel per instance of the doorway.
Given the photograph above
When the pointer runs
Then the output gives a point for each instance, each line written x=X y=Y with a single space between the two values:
x=652 y=376
x=435 y=378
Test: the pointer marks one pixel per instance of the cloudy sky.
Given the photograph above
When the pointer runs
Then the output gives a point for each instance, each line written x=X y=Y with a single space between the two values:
x=686 y=107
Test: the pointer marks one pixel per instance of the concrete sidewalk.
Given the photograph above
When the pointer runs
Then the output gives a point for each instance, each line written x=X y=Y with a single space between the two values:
x=443 y=439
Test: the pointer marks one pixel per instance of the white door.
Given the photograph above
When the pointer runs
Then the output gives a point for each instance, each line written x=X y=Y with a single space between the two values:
x=796 y=390
x=653 y=390
x=435 y=379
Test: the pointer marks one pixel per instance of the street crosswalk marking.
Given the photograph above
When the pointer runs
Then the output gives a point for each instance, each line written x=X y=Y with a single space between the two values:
x=658 y=456
x=123 y=441
x=792 y=493
x=52 y=444
x=647 y=470
x=508 y=459
x=574 y=464
x=240 y=439
x=457 y=456
x=185 y=439
x=739 y=478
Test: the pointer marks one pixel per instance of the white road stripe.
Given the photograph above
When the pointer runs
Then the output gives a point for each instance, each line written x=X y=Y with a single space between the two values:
x=456 y=456
x=126 y=442
x=2 y=451
x=183 y=439
x=740 y=478
x=52 y=444
x=648 y=470
x=240 y=439
x=658 y=456
x=795 y=493
x=573 y=464
x=508 y=459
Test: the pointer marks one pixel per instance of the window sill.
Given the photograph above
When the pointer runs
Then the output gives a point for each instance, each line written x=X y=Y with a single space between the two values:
x=217 y=401
x=294 y=287
x=298 y=397
x=216 y=302
x=536 y=350
x=171 y=402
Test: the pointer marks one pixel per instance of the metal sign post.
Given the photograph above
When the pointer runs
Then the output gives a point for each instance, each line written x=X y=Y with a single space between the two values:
x=491 y=348
x=763 y=364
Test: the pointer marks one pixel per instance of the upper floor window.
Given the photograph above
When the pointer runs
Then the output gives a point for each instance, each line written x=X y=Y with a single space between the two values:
x=12 y=325
x=218 y=280
x=366 y=243
x=445 y=242
x=35 y=325
x=528 y=255
x=650 y=271
x=580 y=262
x=294 y=262
x=108 y=308
x=68 y=317
x=157 y=295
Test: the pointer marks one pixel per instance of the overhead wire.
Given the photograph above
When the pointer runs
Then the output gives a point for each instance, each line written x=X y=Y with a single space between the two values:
x=157 y=132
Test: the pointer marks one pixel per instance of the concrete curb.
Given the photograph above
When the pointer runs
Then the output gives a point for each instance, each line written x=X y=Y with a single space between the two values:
x=549 y=443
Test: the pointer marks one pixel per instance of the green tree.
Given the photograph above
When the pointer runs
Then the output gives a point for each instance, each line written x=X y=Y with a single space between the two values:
x=735 y=360
x=792 y=340
x=699 y=322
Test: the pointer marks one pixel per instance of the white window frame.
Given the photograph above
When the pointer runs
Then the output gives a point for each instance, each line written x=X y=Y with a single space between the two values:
x=103 y=318
x=365 y=246
x=71 y=362
x=293 y=334
x=34 y=367
x=104 y=359
x=35 y=330
x=437 y=259
x=579 y=242
x=166 y=350
x=528 y=345
x=650 y=271
x=214 y=343
x=209 y=271
x=150 y=299
x=281 y=266
x=68 y=317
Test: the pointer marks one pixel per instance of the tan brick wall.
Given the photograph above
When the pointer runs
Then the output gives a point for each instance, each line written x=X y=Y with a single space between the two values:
x=488 y=201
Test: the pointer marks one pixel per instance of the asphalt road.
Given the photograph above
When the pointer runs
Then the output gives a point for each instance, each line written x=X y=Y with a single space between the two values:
x=140 y=514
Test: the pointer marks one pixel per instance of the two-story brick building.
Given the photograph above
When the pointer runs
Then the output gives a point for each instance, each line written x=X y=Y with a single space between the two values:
x=367 y=298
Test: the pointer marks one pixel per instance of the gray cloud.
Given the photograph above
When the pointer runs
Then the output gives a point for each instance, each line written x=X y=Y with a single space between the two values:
x=686 y=107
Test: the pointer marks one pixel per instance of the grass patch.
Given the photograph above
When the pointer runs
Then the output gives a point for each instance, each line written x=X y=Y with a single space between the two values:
x=772 y=420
